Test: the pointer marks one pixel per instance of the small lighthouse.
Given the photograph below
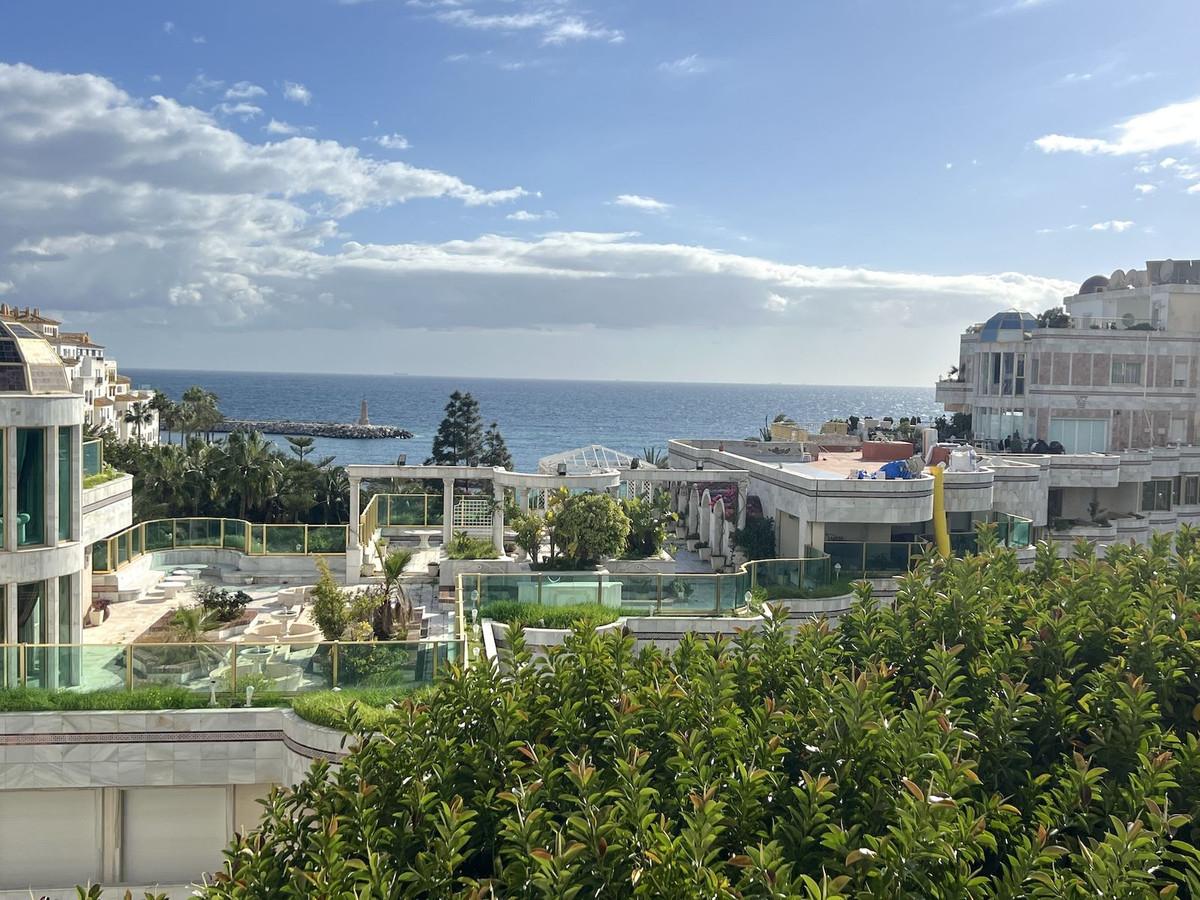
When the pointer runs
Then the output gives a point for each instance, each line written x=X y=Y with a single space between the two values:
x=362 y=413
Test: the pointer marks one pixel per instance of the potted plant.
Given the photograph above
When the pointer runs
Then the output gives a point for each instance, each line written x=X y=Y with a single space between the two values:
x=693 y=541
x=98 y=611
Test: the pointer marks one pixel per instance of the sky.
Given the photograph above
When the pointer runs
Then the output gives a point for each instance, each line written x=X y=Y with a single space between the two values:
x=694 y=190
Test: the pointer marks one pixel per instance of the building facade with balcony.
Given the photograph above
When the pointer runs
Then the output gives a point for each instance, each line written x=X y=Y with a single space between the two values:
x=1118 y=370
x=1107 y=394
x=110 y=400
x=49 y=517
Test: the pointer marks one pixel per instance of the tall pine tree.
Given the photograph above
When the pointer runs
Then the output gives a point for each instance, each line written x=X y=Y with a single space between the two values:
x=495 y=451
x=459 y=439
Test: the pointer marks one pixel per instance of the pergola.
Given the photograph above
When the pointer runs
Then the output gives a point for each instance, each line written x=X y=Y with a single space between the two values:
x=522 y=484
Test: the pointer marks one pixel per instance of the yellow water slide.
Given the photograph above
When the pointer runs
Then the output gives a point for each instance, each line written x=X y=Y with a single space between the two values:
x=941 y=533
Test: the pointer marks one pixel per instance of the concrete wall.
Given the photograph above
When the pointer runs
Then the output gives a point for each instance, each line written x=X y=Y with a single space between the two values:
x=138 y=798
x=107 y=508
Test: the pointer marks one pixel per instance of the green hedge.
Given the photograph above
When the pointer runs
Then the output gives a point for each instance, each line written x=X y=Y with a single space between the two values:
x=375 y=707
x=42 y=700
x=999 y=733
x=538 y=615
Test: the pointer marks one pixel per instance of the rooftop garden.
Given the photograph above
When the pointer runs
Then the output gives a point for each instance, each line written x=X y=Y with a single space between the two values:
x=999 y=733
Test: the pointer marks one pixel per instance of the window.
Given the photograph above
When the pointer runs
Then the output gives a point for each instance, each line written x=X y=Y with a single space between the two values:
x=1191 y=490
x=1126 y=372
x=31 y=486
x=1080 y=435
x=65 y=492
x=1156 y=495
x=1181 y=372
x=1020 y=376
x=1054 y=505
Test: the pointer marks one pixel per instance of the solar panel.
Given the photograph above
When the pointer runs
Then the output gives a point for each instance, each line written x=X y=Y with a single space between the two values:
x=22 y=332
x=12 y=378
x=8 y=351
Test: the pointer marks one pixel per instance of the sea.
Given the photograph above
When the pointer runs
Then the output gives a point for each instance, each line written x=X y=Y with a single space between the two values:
x=537 y=417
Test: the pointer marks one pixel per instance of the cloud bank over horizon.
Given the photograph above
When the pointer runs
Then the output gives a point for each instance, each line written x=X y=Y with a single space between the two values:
x=152 y=213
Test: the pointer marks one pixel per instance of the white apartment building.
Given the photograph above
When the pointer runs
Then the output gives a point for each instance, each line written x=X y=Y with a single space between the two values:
x=49 y=519
x=110 y=402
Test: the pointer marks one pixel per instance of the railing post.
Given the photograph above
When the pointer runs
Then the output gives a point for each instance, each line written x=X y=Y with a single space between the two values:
x=21 y=665
x=129 y=666
x=305 y=540
x=658 y=594
x=333 y=657
x=539 y=584
x=599 y=590
x=436 y=648
x=233 y=650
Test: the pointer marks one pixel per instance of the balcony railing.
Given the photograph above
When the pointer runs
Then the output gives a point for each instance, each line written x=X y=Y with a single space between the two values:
x=93 y=458
x=652 y=594
x=277 y=668
x=245 y=537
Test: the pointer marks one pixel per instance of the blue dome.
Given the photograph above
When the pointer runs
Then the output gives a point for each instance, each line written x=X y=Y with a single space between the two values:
x=1007 y=326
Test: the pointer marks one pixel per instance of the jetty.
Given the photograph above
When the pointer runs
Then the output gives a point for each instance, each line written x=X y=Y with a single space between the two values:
x=313 y=429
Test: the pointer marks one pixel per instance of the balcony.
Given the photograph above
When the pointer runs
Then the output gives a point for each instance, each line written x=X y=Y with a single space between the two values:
x=954 y=395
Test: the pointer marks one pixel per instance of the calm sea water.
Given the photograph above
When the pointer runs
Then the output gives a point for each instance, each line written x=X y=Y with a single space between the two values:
x=536 y=417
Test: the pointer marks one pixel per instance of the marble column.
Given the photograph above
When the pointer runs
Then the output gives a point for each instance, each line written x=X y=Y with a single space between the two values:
x=498 y=518
x=354 y=540
x=10 y=492
x=447 y=511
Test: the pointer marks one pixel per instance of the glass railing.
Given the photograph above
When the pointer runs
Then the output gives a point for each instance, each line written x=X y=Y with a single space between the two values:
x=215 y=534
x=285 y=667
x=1013 y=531
x=401 y=511
x=667 y=594
x=871 y=559
x=93 y=458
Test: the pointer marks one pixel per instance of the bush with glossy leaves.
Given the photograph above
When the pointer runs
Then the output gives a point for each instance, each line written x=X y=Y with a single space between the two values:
x=998 y=733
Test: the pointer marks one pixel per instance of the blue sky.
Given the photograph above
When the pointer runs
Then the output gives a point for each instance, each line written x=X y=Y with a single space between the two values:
x=674 y=190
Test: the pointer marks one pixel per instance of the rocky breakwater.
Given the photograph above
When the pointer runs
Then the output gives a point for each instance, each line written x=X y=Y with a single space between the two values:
x=314 y=429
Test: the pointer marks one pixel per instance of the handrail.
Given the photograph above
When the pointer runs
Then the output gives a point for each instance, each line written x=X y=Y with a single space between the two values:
x=283 y=667
x=661 y=594
x=250 y=539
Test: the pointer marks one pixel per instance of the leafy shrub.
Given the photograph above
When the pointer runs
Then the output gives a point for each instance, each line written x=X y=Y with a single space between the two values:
x=463 y=546
x=222 y=605
x=999 y=733
x=330 y=606
x=375 y=707
x=757 y=539
x=529 y=529
x=39 y=699
x=538 y=615
x=647 y=524
x=589 y=527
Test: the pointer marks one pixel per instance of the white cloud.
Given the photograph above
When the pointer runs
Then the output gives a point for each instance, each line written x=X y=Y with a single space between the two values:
x=297 y=93
x=1144 y=189
x=109 y=202
x=155 y=78
x=1194 y=189
x=277 y=127
x=1174 y=125
x=244 y=90
x=949 y=166
x=692 y=64
x=243 y=111
x=646 y=204
x=1117 y=225
x=524 y=215
x=391 y=141
x=169 y=27
x=555 y=25
x=202 y=84
x=199 y=39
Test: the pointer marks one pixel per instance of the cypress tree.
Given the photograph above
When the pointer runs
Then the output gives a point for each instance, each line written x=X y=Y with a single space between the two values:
x=459 y=439
x=495 y=451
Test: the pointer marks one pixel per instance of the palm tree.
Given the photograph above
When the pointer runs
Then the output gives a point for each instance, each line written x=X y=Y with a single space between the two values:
x=333 y=494
x=656 y=457
x=250 y=470
x=394 y=564
x=138 y=415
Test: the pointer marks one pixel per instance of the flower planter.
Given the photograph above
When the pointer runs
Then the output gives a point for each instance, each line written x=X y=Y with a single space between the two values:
x=95 y=617
x=705 y=552
x=718 y=562
x=692 y=545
